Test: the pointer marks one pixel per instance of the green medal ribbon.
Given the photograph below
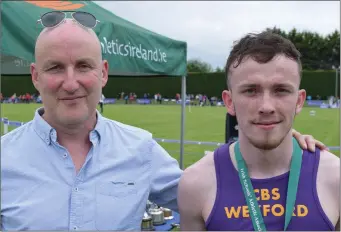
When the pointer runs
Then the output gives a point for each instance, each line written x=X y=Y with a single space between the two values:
x=250 y=197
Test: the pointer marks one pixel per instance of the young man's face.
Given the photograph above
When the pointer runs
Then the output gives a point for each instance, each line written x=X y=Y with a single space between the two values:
x=265 y=99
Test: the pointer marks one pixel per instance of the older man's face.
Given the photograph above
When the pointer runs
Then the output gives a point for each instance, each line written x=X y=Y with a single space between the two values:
x=69 y=73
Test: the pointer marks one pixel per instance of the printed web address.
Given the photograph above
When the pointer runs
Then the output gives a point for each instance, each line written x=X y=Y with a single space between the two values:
x=117 y=48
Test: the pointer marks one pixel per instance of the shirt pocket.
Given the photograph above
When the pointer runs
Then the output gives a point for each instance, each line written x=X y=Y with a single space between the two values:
x=116 y=204
x=117 y=189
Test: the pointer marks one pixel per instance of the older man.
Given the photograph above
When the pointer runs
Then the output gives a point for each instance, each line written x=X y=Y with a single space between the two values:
x=70 y=168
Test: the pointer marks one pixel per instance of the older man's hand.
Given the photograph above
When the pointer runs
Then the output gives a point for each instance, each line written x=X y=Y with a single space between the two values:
x=308 y=141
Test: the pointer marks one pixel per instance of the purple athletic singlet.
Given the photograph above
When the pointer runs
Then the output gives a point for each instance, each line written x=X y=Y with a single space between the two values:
x=230 y=210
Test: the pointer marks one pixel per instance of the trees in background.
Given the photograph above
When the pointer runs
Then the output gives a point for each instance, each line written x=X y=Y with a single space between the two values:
x=318 y=52
x=198 y=66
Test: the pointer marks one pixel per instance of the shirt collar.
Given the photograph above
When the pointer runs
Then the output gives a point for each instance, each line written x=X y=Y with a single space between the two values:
x=48 y=133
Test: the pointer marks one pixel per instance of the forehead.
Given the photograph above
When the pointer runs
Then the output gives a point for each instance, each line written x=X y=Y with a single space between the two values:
x=279 y=70
x=63 y=44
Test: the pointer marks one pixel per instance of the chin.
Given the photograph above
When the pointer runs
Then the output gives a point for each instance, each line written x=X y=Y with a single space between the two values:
x=72 y=120
x=75 y=117
x=266 y=143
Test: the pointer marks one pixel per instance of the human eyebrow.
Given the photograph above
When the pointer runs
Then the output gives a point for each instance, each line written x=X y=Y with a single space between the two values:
x=248 y=86
x=51 y=63
x=284 y=86
x=86 y=61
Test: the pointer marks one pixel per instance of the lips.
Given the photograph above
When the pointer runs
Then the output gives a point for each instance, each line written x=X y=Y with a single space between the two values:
x=267 y=123
x=70 y=98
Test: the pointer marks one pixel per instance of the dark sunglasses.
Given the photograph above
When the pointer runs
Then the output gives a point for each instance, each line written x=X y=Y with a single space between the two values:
x=55 y=18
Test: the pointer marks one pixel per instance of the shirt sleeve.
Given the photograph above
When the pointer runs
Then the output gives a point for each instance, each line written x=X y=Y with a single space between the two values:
x=165 y=178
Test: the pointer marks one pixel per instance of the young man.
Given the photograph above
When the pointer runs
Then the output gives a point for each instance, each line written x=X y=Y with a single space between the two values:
x=244 y=185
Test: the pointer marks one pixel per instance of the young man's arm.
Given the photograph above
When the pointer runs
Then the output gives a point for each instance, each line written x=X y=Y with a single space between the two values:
x=337 y=227
x=190 y=202
x=328 y=186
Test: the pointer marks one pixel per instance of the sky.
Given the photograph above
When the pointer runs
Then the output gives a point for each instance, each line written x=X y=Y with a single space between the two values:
x=210 y=28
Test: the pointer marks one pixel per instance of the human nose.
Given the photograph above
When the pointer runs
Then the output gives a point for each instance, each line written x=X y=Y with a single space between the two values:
x=267 y=104
x=70 y=83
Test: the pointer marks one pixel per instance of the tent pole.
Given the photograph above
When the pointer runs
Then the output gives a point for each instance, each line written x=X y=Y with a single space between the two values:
x=336 y=75
x=183 y=110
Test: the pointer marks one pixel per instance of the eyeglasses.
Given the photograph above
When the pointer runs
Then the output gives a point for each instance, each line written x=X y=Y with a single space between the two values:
x=55 y=18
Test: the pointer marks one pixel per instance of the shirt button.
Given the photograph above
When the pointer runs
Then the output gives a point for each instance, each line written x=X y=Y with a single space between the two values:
x=65 y=155
x=76 y=189
x=75 y=227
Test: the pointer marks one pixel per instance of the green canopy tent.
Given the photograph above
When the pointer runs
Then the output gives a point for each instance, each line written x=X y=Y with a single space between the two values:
x=130 y=49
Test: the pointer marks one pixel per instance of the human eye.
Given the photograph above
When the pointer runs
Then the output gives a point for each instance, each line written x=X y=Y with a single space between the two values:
x=282 y=90
x=84 y=66
x=54 y=68
x=249 y=91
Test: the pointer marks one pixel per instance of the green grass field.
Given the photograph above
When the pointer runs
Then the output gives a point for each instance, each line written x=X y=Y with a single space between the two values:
x=202 y=124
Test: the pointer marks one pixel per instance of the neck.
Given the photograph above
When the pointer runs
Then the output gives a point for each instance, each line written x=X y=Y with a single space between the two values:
x=72 y=133
x=267 y=163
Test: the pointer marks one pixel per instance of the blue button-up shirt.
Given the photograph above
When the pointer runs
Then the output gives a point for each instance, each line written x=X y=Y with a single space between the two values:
x=40 y=189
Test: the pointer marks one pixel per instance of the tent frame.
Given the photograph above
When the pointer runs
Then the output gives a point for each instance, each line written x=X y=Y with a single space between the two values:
x=183 y=110
x=121 y=23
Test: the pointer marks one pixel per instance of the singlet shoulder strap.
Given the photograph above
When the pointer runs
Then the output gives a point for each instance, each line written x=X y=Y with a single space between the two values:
x=224 y=172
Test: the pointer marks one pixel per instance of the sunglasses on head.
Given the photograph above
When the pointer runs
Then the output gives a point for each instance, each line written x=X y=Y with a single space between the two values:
x=55 y=18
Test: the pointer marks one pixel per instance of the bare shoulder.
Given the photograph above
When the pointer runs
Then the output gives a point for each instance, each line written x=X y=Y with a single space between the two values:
x=195 y=186
x=198 y=176
x=328 y=185
x=330 y=167
x=327 y=157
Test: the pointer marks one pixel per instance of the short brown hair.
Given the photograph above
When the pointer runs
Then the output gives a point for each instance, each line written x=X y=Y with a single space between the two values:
x=262 y=48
